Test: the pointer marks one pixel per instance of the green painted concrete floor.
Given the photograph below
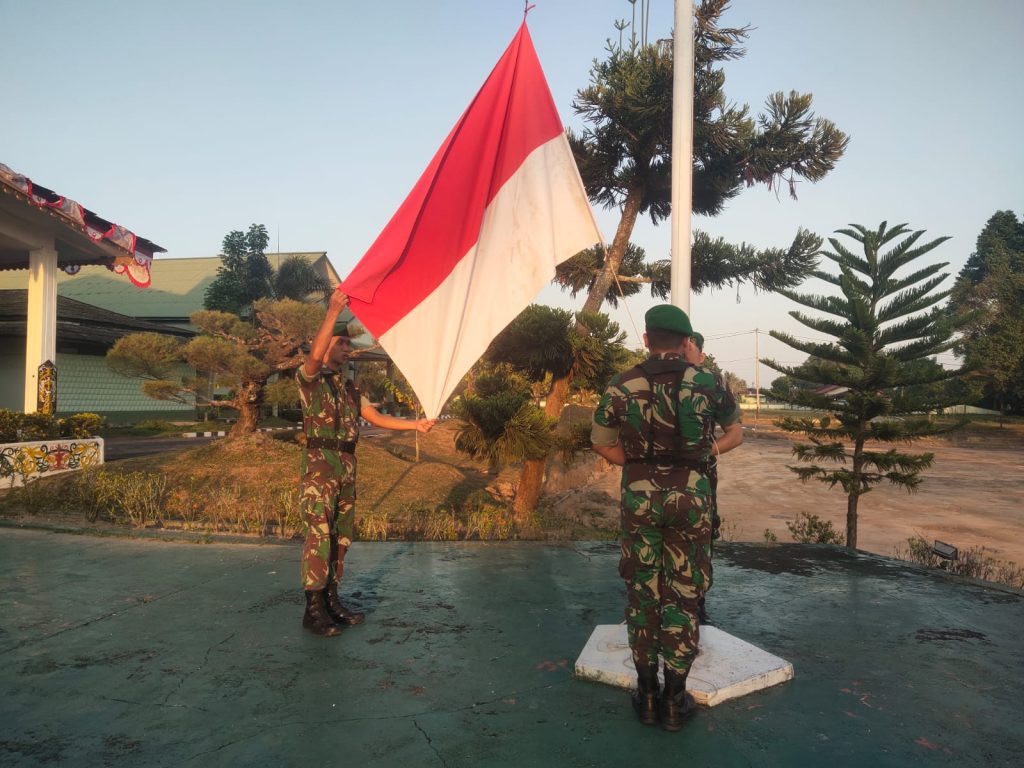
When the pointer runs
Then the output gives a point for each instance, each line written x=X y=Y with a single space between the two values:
x=135 y=652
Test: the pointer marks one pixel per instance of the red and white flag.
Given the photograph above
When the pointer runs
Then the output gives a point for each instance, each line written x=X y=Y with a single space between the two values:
x=480 y=234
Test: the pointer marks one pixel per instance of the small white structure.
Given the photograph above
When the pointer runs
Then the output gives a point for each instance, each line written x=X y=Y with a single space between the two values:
x=22 y=462
x=726 y=666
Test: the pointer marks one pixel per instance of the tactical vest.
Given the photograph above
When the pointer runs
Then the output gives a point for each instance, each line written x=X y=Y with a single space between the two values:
x=665 y=444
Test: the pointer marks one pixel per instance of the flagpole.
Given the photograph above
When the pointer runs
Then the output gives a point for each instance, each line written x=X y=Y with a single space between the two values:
x=682 y=152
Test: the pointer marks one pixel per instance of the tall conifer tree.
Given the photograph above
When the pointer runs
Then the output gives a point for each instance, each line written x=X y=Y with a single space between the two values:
x=990 y=292
x=878 y=377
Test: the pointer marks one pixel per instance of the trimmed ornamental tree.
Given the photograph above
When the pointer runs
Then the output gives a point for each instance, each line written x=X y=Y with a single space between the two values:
x=877 y=377
x=625 y=160
x=231 y=353
x=498 y=421
x=502 y=421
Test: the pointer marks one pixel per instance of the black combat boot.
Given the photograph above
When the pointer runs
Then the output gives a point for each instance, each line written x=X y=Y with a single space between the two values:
x=645 y=697
x=338 y=612
x=677 y=706
x=316 y=618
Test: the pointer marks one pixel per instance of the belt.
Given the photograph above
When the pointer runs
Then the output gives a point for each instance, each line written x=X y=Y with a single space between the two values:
x=668 y=461
x=331 y=444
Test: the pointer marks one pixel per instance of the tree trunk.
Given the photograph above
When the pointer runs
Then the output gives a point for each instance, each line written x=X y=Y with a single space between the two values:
x=531 y=482
x=247 y=401
x=613 y=258
x=531 y=479
x=851 y=520
x=854 y=497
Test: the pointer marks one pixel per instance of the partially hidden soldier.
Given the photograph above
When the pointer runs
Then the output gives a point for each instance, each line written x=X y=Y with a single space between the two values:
x=331 y=407
x=710 y=470
x=656 y=421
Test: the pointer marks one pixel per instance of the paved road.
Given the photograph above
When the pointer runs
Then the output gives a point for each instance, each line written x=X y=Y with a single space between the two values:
x=129 y=447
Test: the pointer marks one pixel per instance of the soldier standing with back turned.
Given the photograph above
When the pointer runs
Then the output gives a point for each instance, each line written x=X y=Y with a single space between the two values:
x=331 y=407
x=656 y=420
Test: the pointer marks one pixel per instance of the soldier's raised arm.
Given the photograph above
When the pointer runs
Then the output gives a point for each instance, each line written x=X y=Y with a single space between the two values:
x=315 y=359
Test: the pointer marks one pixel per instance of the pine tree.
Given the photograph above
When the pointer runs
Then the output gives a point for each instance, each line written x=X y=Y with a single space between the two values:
x=244 y=274
x=990 y=291
x=882 y=382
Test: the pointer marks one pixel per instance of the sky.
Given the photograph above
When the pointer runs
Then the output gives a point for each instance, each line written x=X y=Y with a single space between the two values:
x=186 y=120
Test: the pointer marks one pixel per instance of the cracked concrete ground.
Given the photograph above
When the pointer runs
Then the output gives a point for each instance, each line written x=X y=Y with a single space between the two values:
x=131 y=652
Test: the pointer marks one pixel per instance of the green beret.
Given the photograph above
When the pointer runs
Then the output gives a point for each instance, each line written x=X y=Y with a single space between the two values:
x=698 y=339
x=667 y=317
x=341 y=329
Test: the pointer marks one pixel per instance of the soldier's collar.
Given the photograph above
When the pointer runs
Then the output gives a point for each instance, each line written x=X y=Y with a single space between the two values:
x=666 y=356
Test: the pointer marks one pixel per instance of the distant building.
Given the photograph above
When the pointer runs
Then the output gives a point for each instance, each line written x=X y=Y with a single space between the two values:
x=85 y=383
x=44 y=233
x=95 y=308
x=177 y=290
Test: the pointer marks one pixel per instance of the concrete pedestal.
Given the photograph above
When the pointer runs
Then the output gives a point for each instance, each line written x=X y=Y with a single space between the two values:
x=726 y=667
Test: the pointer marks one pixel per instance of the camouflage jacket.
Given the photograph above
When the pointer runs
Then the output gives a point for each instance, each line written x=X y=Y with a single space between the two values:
x=330 y=405
x=664 y=412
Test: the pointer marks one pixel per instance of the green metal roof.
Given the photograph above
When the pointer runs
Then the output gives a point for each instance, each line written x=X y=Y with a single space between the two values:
x=177 y=289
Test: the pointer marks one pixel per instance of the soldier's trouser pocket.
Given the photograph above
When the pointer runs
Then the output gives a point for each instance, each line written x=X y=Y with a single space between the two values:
x=627 y=563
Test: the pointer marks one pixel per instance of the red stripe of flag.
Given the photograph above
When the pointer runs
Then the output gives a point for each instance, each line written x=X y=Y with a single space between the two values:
x=439 y=222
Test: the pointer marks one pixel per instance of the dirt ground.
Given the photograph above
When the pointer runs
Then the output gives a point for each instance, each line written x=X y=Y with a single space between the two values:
x=972 y=496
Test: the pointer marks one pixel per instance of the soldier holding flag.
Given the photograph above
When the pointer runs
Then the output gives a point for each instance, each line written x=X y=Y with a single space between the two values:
x=331 y=407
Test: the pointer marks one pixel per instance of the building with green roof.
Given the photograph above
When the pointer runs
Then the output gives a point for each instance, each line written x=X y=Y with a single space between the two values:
x=95 y=308
x=177 y=289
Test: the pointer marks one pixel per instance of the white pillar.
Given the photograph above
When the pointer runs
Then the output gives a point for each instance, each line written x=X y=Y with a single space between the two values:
x=682 y=152
x=41 y=325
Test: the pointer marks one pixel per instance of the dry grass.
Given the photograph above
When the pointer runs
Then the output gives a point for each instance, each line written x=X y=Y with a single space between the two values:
x=250 y=486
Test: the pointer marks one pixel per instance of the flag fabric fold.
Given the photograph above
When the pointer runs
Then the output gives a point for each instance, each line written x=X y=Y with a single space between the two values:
x=498 y=207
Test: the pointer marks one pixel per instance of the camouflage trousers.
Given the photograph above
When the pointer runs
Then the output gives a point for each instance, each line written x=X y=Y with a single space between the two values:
x=716 y=522
x=666 y=562
x=327 y=504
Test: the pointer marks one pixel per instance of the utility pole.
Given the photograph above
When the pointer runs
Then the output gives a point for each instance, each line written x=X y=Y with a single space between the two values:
x=757 y=378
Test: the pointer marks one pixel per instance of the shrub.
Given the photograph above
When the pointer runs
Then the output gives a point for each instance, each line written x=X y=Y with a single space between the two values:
x=490 y=522
x=88 y=491
x=918 y=551
x=82 y=425
x=35 y=497
x=440 y=525
x=140 y=497
x=37 y=426
x=811 y=529
x=9 y=426
x=372 y=526
x=973 y=563
x=286 y=512
x=18 y=427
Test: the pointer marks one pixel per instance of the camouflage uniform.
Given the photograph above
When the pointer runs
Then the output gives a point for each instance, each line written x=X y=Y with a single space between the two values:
x=330 y=410
x=664 y=412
